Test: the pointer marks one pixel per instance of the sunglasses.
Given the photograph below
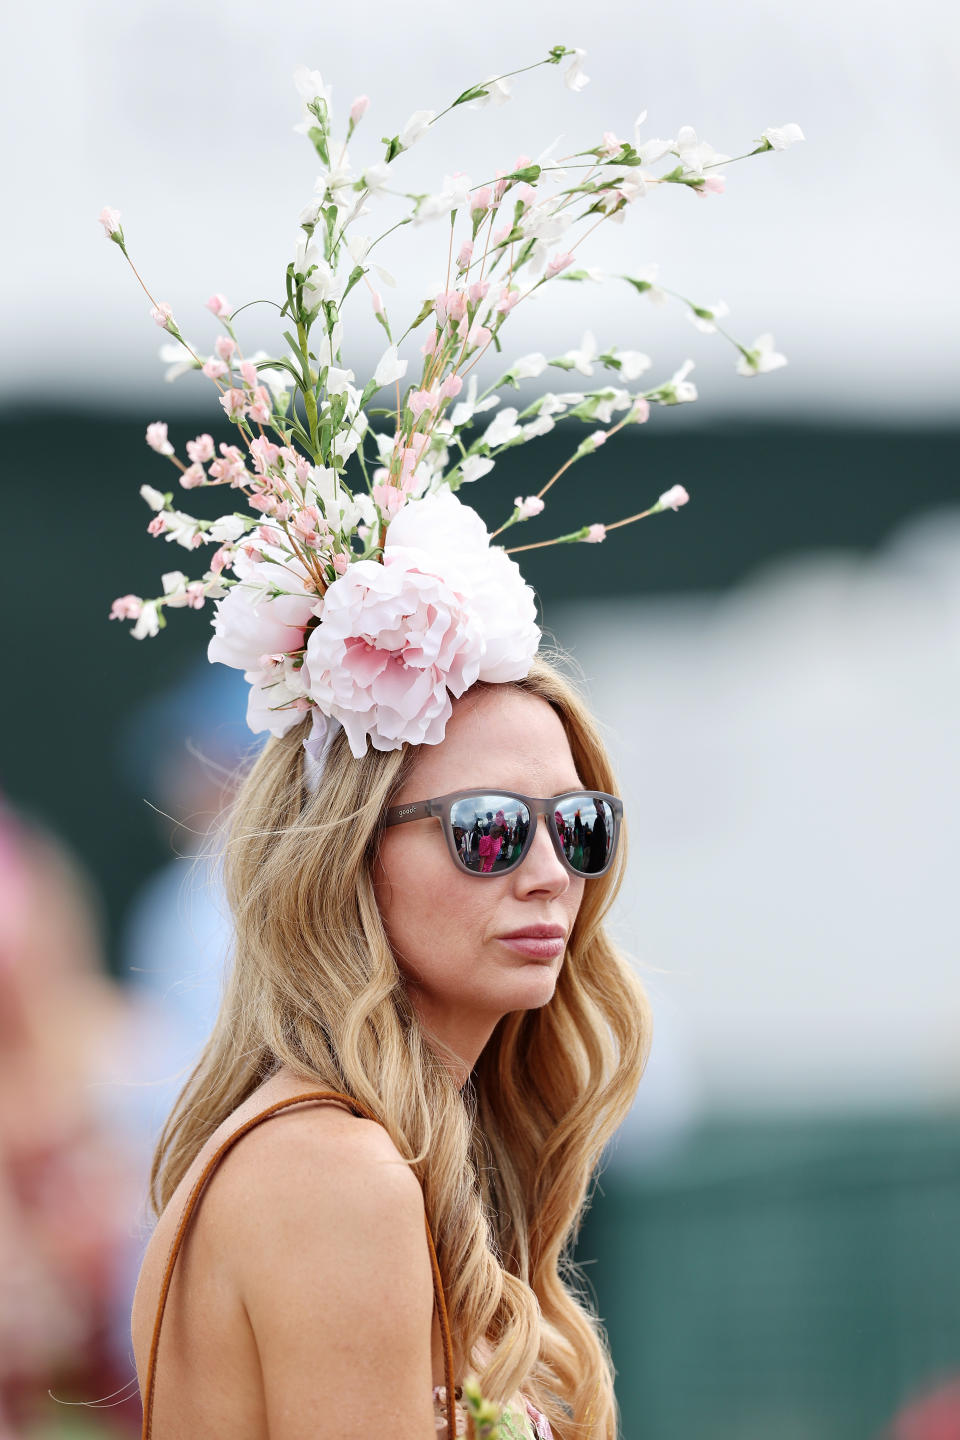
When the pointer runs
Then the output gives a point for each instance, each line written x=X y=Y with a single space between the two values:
x=489 y=832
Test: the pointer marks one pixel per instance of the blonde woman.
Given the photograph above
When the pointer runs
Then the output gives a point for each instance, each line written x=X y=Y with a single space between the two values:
x=349 y=1261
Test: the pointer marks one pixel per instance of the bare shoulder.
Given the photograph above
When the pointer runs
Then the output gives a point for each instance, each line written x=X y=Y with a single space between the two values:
x=310 y=1161
x=317 y=1225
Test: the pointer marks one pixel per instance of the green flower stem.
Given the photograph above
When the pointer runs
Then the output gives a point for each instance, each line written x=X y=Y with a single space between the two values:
x=309 y=394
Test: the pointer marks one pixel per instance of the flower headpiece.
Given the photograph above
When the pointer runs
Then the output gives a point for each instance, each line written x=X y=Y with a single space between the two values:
x=370 y=601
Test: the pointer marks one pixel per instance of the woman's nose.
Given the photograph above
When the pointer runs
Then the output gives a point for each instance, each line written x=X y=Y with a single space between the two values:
x=542 y=869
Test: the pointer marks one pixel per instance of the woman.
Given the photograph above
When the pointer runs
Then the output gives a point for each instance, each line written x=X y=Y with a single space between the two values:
x=487 y=1023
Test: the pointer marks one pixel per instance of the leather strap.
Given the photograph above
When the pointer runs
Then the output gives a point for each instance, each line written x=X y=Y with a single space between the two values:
x=358 y=1107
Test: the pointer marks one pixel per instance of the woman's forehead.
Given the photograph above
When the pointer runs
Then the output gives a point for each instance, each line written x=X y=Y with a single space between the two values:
x=502 y=736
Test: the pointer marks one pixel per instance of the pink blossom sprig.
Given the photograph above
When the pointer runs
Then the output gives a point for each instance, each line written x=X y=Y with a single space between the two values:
x=671 y=499
x=517 y=230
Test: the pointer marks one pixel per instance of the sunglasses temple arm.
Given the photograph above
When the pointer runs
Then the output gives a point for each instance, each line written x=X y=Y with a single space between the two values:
x=398 y=814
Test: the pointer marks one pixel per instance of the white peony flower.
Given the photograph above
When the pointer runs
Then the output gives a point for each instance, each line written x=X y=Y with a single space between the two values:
x=250 y=622
x=456 y=540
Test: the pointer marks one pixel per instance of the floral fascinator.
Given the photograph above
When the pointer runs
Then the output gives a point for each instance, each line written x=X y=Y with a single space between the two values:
x=354 y=582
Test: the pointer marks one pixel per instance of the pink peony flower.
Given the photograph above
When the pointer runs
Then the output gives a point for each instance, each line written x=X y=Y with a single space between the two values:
x=157 y=438
x=396 y=640
x=126 y=607
x=218 y=304
x=392 y=645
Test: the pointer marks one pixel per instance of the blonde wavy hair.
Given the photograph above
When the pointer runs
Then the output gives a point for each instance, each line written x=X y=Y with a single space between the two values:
x=506 y=1163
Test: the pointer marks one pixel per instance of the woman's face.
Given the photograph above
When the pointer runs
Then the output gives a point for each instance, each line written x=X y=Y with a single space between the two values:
x=451 y=932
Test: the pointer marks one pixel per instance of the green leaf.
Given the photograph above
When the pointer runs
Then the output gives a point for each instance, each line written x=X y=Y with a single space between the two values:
x=319 y=139
x=639 y=285
x=473 y=94
x=393 y=147
x=426 y=310
x=357 y=273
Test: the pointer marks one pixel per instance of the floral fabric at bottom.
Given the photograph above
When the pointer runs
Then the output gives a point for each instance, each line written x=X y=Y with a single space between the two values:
x=531 y=1425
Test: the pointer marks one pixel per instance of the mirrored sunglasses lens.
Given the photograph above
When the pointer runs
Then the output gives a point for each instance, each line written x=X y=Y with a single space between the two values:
x=489 y=831
x=585 y=826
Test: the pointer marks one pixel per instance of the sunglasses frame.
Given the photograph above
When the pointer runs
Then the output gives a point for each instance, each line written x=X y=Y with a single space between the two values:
x=440 y=806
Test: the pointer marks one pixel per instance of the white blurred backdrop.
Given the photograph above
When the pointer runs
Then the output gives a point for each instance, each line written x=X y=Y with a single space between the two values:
x=180 y=115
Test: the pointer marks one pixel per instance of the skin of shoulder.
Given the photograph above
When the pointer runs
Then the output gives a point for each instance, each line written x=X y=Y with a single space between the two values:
x=321 y=1223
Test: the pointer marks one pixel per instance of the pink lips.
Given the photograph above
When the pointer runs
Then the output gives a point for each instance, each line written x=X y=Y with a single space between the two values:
x=537 y=942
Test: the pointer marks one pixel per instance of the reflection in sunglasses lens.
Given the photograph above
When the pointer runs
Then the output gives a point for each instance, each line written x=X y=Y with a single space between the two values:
x=585 y=825
x=489 y=831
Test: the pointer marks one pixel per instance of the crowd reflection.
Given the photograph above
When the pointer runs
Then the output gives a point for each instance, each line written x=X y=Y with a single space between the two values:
x=490 y=831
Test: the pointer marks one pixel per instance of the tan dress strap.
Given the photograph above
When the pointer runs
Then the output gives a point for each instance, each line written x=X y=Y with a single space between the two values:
x=358 y=1107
